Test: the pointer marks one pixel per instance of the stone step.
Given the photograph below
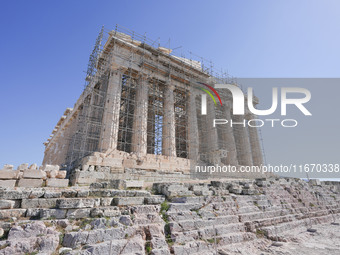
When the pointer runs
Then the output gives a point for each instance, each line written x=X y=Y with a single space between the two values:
x=175 y=207
x=222 y=230
x=205 y=246
x=76 y=239
x=182 y=216
x=273 y=221
x=9 y=213
x=123 y=247
x=249 y=209
x=272 y=231
x=209 y=231
x=57 y=213
x=198 y=246
x=198 y=224
x=118 y=193
x=262 y=215
x=206 y=233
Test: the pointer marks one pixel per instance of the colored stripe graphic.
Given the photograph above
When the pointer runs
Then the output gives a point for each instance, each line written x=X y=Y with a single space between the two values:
x=218 y=96
x=207 y=91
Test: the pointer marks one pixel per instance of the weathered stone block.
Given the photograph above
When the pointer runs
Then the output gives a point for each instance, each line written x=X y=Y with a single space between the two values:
x=61 y=174
x=106 y=201
x=128 y=201
x=34 y=174
x=75 y=239
x=14 y=194
x=36 y=193
x=52 y=173
x=9 y=213
x=70 y=203
x=7 y=183
x=111 y=211
x=49 y=167
x=33 y=212
x=39 y=203
x=23 y=166
x=69 y=193
x=57 y=182
x=52 y=194
x=154 y=200
x=8 y=174
x=52 y=213
x=6 y=204
x=192 y=200
x=78 y=213
x=83 y=193
x=30 y=183
x=133 y=184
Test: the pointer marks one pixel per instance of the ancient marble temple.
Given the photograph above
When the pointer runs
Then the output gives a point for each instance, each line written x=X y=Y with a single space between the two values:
x=141 y=110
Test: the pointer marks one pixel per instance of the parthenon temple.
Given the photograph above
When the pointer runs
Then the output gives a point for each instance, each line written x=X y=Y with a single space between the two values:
x=141 y=111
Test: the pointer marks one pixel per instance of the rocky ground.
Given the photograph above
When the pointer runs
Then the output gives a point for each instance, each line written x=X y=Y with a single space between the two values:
x=326 y=241
x=218 y=217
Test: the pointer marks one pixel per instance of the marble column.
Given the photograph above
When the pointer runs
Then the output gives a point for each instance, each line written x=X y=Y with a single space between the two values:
x=212 y=146
x=140 y=119
x=110 y=127
x=169 y=125
x=192 y=127
x=254 y=142
x=228 y=139
x=244 y=156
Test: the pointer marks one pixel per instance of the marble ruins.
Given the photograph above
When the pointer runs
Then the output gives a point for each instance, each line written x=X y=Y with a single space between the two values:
x=117 y=173
x=141 y=110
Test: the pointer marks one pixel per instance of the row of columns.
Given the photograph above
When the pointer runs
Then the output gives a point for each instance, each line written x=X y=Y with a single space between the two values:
x=240 y=140
x=109 y=137
x=242 y=143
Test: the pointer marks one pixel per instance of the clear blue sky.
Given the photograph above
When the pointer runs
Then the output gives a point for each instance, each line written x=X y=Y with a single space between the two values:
x=45 y=47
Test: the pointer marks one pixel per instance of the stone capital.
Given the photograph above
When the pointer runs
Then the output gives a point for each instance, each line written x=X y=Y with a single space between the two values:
x=169 y=85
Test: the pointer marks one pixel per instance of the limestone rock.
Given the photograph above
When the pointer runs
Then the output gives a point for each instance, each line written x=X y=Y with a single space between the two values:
x=49 y=168
x=57 y=182
x=33 y=167
x=61 y=174
x=78 y=213
x=7 y=183
x=30 y=182
x=6 y=204
x=34 y=174
x=52 y=213
x=39 y=203
x=23 y=167
x=32 y=238
x=52 y=194
x=36 y=193
x=125 y=220
x=9 y=174
x=52 y=173
x=119 y=201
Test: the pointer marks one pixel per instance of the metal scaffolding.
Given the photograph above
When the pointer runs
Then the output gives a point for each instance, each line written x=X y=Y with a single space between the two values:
x=93 y=115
